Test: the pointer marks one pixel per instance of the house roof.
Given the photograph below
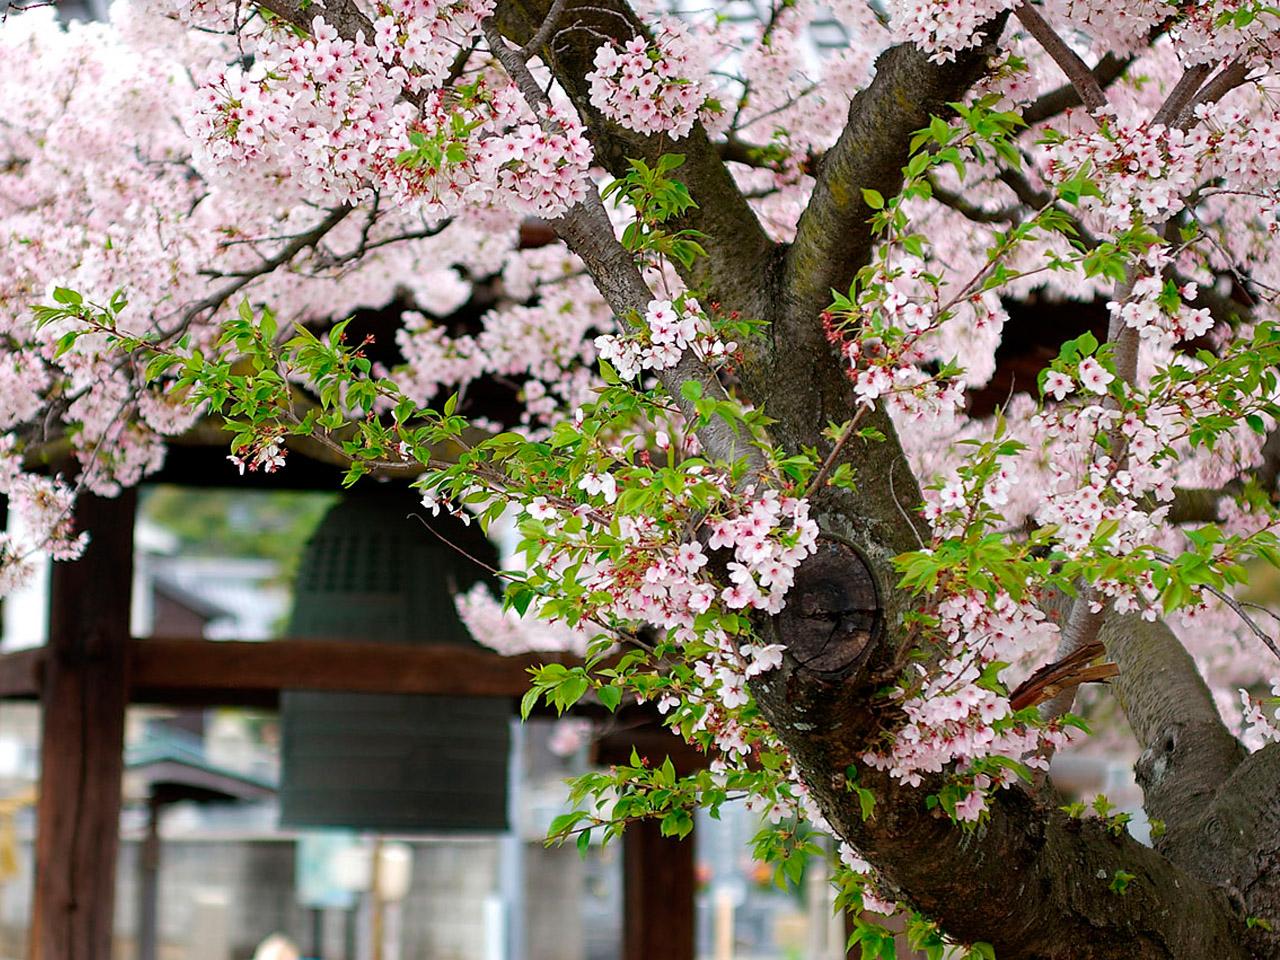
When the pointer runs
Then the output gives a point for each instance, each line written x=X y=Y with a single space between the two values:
x=171 y=767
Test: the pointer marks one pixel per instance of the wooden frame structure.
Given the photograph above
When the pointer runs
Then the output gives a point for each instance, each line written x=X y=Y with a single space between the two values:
x=91 y=670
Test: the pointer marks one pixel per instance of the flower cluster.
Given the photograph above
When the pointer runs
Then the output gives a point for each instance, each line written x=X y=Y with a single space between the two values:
x=769 y=539
x=540 y=169
x=888 y=344
x=481 y=147
x=1262 y=717
x=651 y=88
x=1122 y=28
x=265 y=454
x=960 y=713
x=42 y=506
x=424 y=36
x=329 y=113
x=1219 y=31
x=944 y=27
x=315 y=107
x=433 y=157
x=1078 y=511
x=509 y=634
x=1157 y=309
x=1148 y=171
x=769 y=536
x=650 y=575
x=671 y=328
x=948 y=503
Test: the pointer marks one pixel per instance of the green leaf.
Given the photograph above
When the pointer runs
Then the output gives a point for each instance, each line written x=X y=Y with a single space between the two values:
x=1120 y=881
x=268 y=326
x=66 y=342
x=866 y=802
x=158 y=365
x=529 y=701
x=610 y=697
x=520 y=598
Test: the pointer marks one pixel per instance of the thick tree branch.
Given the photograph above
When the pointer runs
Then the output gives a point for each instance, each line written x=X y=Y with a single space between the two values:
x=588 y=233
x=833 y=236
x=738 y=250
x=1231 y=76
x=1029 y=880
x=1172 y=111
x=535 y=44
x=1187 y=752
x=970 y=211
x=1108 y=70
x=1082 y=79
x=1235 y=844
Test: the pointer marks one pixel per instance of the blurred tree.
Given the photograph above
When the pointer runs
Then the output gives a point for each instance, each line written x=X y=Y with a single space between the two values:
x=271 y=525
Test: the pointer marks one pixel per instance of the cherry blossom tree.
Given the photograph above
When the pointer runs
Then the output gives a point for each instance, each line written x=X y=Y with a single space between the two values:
x=707 y=310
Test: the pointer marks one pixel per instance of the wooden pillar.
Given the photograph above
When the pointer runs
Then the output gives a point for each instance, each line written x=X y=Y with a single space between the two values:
x=658 y=894
x=83 y=700
x=149 y=883
x=4 y=526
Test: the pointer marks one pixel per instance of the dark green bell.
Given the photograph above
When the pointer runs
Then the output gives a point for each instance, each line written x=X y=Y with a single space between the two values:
x=391 y=763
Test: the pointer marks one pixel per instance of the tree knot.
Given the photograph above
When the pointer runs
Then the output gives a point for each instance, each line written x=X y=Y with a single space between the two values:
x=833 y=612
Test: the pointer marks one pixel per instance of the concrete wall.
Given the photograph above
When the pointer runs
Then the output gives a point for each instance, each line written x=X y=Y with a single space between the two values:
x=249 y=884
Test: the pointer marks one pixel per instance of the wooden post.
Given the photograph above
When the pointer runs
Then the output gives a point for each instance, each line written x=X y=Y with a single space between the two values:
x=149 y=884
x=83 y=703
x=377 y=929
x=658 y=894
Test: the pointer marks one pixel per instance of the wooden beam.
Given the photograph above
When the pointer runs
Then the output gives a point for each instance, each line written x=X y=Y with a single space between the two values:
x=21 y=674
x=229 y=672
x=658 y=894
x=182 y=672
x=84 y=694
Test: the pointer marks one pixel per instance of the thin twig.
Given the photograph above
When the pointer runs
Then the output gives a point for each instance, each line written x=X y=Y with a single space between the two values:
x=299 y=243
x=827 y=464
x=1252 y=624
x=623 y=635
x=893 y=494
x=1236 y=606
